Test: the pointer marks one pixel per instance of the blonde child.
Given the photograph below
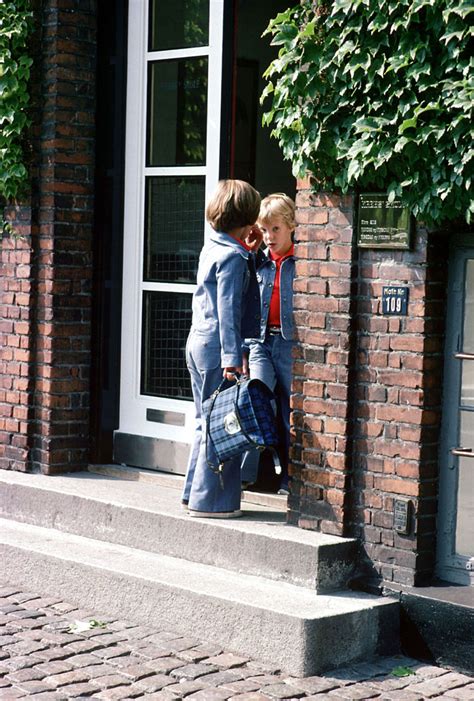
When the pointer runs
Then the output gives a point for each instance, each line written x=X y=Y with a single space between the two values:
x=270 y=353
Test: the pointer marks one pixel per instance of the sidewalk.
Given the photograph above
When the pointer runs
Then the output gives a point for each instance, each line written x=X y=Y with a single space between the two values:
x=43 y=655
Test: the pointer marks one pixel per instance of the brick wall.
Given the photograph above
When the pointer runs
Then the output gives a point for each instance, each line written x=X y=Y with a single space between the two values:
x=399 y=372
x=15 y=342
x=367 y=389
x=46 y=277
x=321 y=404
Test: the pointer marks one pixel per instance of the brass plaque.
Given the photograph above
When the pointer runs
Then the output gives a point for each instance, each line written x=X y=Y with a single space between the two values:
x=383 y=224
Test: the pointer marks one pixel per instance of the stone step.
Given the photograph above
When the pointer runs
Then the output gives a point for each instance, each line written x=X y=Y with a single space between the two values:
x=150 y=518
x=277 y=502
x=275 y=622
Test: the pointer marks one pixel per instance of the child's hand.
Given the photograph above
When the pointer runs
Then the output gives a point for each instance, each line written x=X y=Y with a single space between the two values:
x=255 y=238
x=245 y=365
x=231 y=373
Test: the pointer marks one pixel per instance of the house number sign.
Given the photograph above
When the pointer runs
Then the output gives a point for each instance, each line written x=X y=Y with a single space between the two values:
x=395 y=300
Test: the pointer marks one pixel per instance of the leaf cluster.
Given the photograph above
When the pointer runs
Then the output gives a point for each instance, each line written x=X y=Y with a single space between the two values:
x=378 y=95
x=16 y=21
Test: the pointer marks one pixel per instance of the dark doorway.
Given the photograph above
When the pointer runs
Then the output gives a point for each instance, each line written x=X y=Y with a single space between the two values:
x=253 y=155
x=108 y=226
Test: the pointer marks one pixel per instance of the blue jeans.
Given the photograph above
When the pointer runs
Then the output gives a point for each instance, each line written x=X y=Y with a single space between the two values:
x=271 y=362
x=202 y=488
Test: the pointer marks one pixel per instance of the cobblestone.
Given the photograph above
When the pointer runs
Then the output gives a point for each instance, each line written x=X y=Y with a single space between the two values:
x=42 y=659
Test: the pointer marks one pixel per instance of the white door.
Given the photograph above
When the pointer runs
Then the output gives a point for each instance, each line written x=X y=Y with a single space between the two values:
x=172 y=164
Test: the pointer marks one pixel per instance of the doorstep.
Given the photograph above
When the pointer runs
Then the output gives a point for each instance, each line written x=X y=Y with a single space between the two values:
x=278 y=502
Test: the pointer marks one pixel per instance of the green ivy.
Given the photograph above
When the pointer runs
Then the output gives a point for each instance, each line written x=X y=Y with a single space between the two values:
x=378 y=95
x=16 y=20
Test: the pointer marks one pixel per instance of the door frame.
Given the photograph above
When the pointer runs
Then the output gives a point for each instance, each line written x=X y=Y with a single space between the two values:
x=134 y=405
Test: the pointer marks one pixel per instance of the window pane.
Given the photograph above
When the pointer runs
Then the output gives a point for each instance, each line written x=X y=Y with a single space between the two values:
x=179 y=24
x=177 y=112
x=465 y=510
x=468 y=335
x=174 y=228
x=467 y=383
x=166 y=324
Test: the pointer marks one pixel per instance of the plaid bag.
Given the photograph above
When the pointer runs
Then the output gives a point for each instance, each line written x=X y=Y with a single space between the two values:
x=238 y=419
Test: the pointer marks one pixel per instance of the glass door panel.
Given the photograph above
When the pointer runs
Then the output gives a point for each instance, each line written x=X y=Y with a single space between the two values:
x=467 y=384
x=174 y=215
x=456 y=488
x=465 y=491
x=177 y=112
x=166 y=323
x=179 y=24
x=468 y=327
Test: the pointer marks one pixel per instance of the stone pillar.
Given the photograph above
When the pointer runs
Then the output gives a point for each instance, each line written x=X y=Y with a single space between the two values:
x=321 y=454
x=367 y=388
x=46 y=294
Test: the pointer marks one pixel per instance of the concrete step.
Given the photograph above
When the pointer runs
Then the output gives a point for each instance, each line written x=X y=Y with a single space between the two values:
x=150 y=518
x=276 y=622
x=277 y=502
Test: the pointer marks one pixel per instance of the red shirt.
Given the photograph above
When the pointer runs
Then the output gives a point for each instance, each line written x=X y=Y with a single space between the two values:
x=274 y=311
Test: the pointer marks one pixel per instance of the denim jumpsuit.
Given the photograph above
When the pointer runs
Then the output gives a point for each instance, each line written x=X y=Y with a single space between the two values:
x=226 y=306
x=270 y=355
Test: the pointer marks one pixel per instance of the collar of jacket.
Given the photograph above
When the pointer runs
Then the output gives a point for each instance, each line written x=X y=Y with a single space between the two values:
x=265 y=259
x=226 y=240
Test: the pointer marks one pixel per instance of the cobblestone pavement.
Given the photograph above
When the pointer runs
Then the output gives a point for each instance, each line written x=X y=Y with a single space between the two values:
x=46 y=655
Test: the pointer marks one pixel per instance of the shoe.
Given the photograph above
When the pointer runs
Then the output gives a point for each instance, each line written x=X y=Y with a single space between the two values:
x=246 y=485
x=284 y=491
x=215 y=514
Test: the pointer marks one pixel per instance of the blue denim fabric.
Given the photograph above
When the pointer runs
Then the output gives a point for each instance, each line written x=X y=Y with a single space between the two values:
x=266 y=270
x=226 y=292
x=202 y=487
x=271 y=361
x=225 y=309
x=270 y=357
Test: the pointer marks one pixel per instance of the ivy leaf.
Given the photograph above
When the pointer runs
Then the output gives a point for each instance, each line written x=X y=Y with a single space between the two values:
x=407 y=124
x=16 y=22
x=363 y=106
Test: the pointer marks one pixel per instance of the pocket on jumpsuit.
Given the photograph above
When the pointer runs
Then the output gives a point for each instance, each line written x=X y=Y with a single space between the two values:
x=206 y=355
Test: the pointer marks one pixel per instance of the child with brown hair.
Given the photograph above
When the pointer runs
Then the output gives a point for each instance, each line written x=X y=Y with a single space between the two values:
x=226 y=308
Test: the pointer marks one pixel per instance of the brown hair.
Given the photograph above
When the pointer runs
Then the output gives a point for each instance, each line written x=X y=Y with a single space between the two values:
x=234 y=203
x=278 y=205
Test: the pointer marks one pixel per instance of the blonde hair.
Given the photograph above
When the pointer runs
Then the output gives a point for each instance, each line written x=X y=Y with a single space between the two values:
x=278 y=205
x=233 y=204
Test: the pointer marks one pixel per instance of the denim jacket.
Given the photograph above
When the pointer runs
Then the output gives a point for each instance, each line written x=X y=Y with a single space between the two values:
x=226 y=302
x=266 y=270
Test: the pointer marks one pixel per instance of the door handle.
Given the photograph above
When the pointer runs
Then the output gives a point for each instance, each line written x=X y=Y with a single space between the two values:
x=464 y=356
x=463 y=452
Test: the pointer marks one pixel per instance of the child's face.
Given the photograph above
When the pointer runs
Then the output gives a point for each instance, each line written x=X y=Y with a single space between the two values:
x=276 y=235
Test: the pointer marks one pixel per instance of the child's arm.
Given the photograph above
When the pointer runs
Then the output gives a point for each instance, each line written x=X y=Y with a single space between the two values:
x=230 y=279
